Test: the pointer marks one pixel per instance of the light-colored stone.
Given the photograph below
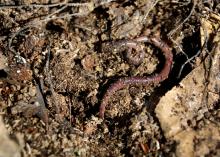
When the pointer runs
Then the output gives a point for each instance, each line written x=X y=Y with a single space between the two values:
x=8 y=148
x=184 y=105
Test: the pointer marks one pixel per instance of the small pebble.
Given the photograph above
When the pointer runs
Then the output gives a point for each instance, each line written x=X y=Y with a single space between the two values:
x=88 y=62
x=32 y=91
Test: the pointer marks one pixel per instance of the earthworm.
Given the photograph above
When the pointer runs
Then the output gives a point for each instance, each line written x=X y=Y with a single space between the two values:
x=137 y=59
x=140 y=80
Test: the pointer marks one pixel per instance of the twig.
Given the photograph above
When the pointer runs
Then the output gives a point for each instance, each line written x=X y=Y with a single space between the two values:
x=187 y=57
x=55 y=12
x=190 y=59
x=70 y=112
x=56 y=5
x=47 y=71
x=19 y=58
x=44 y=5
x=15 y=34
x=42 y=110
x=65 y=16
x=187 y=18
x=106 y=2
x=182 y=3
x=152 y=6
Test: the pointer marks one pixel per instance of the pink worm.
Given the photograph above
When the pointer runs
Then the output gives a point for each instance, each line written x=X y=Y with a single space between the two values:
x=139 y=80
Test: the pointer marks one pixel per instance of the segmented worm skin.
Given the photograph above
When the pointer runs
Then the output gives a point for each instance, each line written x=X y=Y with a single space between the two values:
x=140 y=80
x=135 y=60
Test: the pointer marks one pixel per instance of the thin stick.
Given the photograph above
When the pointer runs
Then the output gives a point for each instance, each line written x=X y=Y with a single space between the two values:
x=55 y=12
x=65 y=16
x=44 y=5
x=13 y=36
x=50 y=80
x=19 y=58
x=187 y=18
x=191 y=58
x=54 y=5
x=106 y=2
x=152 y=6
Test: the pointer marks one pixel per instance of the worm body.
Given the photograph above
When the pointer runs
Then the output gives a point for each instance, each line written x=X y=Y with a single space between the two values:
x=140 y=80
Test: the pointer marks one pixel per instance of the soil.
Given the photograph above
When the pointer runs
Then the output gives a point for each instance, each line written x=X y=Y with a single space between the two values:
x=57 y=59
